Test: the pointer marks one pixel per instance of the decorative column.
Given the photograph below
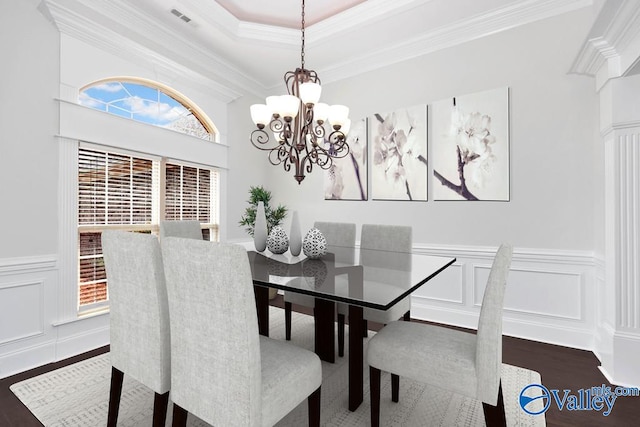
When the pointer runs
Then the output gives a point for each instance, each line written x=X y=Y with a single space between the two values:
x=610 y=54
x=622 y=224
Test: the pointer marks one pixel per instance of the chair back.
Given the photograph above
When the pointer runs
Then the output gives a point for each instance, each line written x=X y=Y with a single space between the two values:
x=139 y=314
x=214 y=331
x=394 y=269
x=338 y=233
x=392 y=238
x=189 y=229
x=489 y=338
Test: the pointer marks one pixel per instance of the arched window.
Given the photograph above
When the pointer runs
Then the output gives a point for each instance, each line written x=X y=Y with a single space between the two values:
x=148 y=102
x=134 y=189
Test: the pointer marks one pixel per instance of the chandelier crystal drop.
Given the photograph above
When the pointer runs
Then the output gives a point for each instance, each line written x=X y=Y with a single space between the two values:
x=303 y=131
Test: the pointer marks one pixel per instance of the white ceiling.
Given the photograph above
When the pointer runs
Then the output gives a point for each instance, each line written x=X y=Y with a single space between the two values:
x=286 y=13
x=248 y=45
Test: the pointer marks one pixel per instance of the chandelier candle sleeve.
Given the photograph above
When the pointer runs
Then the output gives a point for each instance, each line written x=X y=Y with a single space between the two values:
x=293 y=128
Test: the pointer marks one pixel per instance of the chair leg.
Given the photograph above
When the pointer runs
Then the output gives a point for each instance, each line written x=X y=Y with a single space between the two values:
x=179 y=416
x=117 y=376
x=407 y=316
x=395 y=388
x=160 y=403
x=494 y=415
x=341 y=334
x=313 y=403
x=374 y=392
x=287 y=320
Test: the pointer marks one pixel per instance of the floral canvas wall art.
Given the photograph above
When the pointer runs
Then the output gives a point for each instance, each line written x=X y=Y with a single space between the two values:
x=346 y=179
x=471 y=146
x=399 y=154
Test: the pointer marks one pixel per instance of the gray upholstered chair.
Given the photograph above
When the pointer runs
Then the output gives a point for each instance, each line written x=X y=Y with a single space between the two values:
x=189 y=229
x=139 y=317
x=464 y=363
x=337 y=234
x=392 y=238
x=222 y=370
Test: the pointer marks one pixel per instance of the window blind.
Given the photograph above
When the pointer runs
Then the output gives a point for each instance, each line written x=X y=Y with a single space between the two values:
x=113 y=189
x=117 y=190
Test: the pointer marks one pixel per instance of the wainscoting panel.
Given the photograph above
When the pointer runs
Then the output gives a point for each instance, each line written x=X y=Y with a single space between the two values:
x=536 y=292
x=29 y=307
x=21 y=310
x=446 y=287
x=550 y=294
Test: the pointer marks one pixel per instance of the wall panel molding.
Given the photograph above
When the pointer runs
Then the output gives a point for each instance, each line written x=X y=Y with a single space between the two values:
x=24 y=303
x=550 y=293
x=27 y=264
x=30 y=334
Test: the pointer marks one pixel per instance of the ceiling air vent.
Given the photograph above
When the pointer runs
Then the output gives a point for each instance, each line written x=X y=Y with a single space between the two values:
x=180 y=15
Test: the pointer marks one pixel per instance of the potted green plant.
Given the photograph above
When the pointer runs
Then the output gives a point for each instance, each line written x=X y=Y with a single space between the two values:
x=274 y=216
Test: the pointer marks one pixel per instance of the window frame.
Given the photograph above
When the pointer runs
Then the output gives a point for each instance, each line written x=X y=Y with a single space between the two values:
x=81 y=123
x=159 y=203
x=200 y=115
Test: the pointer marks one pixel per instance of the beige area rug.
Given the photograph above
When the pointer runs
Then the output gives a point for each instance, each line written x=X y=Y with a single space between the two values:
x=77 y=395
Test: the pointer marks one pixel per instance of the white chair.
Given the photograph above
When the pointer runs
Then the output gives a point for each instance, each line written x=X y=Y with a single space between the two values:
x=392 y=238
x=337 y=234
x=139 y=318
x=223 y=371
x=462 y=362
x=189 y=229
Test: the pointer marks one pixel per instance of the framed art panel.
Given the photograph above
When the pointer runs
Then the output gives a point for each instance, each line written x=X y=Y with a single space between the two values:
x=398 y=142
x=470 y=147
x=346 y=179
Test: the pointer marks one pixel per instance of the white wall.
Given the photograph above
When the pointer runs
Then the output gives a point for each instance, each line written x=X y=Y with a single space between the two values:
x=553 y=123
x=29 y=79
x=554 y=170
x=251 y=167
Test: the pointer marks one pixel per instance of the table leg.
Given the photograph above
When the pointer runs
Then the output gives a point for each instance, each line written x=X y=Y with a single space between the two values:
x=262 y=308
x=324 y=314
x=356 y=356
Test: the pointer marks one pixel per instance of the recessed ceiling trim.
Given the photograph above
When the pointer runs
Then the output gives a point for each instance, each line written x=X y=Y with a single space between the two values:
x=452 y=35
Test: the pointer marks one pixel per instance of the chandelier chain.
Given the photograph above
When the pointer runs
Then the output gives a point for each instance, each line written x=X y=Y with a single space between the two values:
x=299 y=140
x=302 y=50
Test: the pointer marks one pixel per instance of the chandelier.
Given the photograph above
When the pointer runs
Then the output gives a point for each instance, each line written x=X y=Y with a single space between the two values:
x=305 y=132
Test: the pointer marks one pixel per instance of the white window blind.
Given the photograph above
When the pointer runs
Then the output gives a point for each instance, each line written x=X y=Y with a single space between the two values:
x=120 y=191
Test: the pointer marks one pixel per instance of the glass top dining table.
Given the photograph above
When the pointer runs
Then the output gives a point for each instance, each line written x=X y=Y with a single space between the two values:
x=353 y=276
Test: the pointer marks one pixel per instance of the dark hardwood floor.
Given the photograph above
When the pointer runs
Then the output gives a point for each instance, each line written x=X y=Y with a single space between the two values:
x=560 y=368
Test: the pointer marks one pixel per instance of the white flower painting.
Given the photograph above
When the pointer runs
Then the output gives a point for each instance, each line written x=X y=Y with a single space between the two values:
x=346 y=179
x=471 y=147
x=399 y=154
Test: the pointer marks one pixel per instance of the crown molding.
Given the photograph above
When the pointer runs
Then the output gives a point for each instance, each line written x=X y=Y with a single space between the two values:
x=611 y=48
x=120 y=29
x=520 y=13
x=348 y=20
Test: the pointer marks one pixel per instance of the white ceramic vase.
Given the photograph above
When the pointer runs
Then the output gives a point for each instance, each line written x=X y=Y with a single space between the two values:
x=260 y=229
x=277 y=242
x=314 y=245
x=295 y=236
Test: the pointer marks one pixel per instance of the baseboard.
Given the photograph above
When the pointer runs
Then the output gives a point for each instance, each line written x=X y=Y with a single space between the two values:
x=27 y=358
x=81 y=335
x=52 y=350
